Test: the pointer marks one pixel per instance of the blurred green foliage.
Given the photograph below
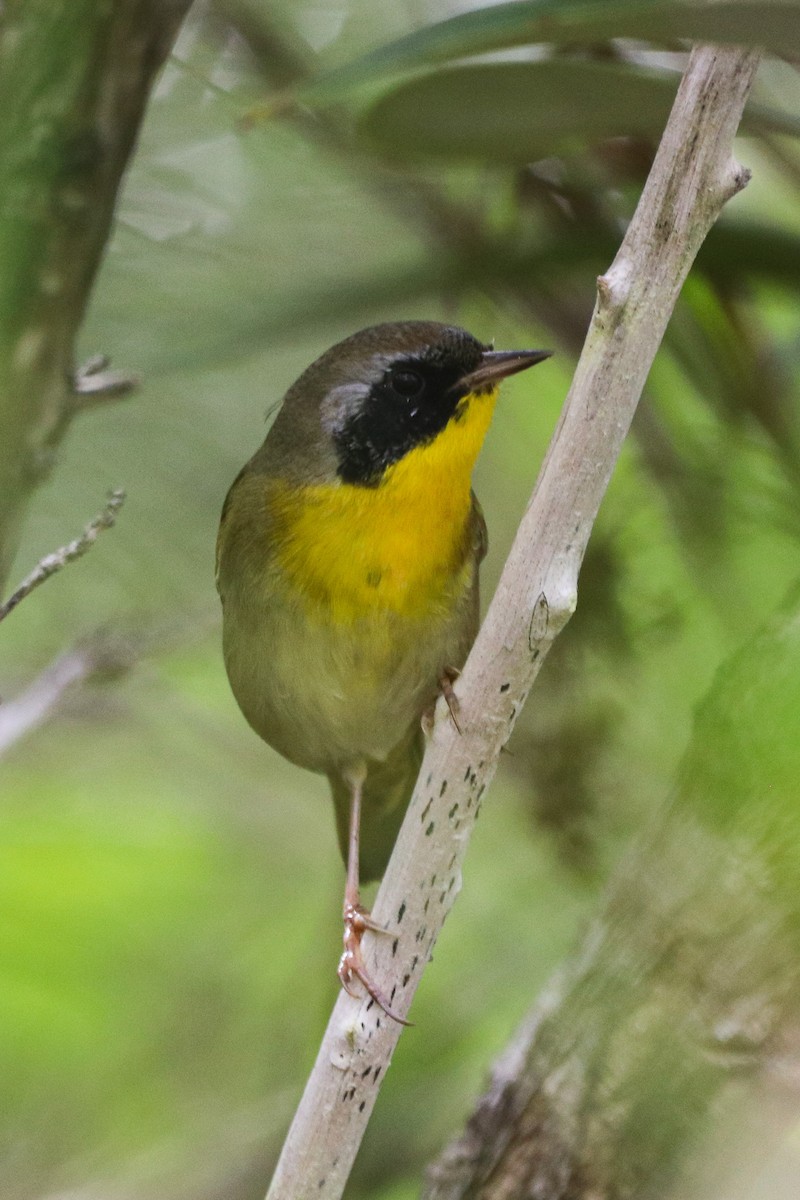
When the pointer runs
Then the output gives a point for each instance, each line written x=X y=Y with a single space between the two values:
x=169 y=886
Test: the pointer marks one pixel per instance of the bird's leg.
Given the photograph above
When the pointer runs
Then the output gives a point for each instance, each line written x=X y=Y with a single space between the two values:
x=356 y=918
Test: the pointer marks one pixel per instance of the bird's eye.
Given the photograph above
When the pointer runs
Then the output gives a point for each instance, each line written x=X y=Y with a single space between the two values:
x=407 y=384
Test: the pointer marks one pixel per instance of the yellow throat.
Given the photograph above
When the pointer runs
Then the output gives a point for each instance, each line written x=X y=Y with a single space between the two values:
x=402 y=546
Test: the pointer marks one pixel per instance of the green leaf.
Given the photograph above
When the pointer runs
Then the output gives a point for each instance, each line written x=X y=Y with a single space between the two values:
x=732 y=249
x=773 y=24
x=517 y=112
x=741 y=248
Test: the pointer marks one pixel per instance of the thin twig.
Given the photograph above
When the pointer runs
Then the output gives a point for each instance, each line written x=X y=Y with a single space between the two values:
x=52 y=563
x=42 y=698
x=93 y=383
x=692 y=177
x=99 y=657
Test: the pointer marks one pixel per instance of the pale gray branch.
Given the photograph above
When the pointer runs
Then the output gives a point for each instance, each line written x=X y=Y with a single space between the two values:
x=52 y=563
x=94 y=384
x=692 y=177
x=102 y=656
x=41 y=698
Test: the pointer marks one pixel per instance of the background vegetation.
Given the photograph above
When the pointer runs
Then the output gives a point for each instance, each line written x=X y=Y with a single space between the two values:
x=170 y=888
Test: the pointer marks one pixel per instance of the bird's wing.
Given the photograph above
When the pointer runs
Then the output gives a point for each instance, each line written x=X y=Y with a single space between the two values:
x=222 y=532
x=480 y=534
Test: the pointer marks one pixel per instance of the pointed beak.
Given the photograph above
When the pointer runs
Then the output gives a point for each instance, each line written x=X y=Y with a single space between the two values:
x=497 y=364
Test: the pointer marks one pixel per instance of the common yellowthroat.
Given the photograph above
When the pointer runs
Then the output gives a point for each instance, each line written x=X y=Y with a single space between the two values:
x=347 y=565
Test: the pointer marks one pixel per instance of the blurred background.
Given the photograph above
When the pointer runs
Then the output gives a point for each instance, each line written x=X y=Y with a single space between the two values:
x=170 y=887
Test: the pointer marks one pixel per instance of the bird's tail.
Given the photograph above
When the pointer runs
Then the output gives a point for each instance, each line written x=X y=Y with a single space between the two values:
x=387 y=791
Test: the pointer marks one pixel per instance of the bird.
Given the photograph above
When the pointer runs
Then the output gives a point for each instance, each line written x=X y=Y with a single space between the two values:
x=347 y=566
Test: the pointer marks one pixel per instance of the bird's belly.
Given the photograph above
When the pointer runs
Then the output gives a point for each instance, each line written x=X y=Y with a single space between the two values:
x=326 y=694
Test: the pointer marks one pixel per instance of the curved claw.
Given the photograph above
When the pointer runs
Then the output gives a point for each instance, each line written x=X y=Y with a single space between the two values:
x=352 y=965
x=448 y=678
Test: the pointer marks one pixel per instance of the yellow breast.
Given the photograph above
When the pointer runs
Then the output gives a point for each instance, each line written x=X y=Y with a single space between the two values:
x=402 y=546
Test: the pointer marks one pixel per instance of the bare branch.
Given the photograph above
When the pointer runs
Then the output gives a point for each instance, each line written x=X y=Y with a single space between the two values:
x=34 y=706
x=93 y=384
x=102 y=655
x=692 y=177
x=98 y=658
x=52 y=563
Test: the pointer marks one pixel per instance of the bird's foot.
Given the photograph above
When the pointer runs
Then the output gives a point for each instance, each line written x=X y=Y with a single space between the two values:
x=352 y=966
x=447 y=679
